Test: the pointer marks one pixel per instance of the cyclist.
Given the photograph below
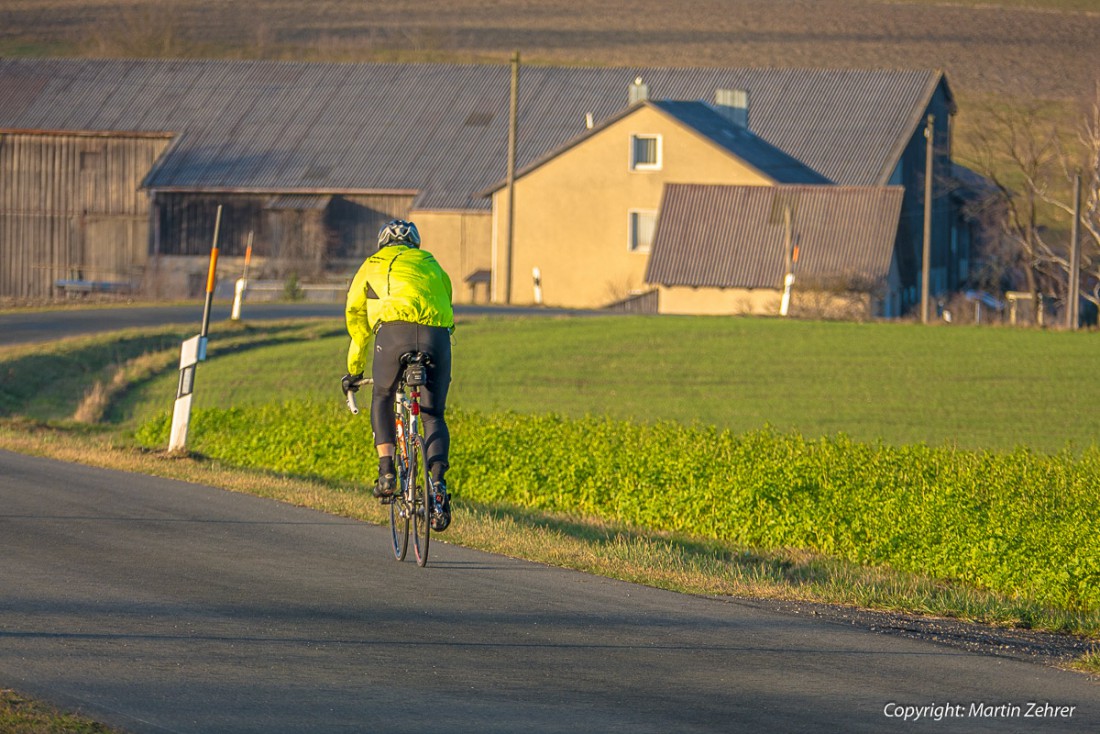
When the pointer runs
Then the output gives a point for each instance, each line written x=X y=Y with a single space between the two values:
x=402 y=298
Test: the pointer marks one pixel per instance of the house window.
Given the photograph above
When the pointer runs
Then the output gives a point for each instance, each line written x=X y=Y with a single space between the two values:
x=645 y=152
x=643 y=225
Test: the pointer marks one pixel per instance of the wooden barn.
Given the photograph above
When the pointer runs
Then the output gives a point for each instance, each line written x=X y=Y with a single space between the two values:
x=307 y=235
x=72 y=209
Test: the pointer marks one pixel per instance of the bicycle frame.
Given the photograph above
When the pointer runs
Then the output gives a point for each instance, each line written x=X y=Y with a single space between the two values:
x=411 y=503
x=407 y=423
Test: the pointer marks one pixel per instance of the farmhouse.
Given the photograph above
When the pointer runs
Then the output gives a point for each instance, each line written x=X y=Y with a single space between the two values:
x=111 y=171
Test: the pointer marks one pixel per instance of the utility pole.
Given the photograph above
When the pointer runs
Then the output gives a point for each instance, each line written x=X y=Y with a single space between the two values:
x=1073 y=292
x=513 y=129
x=926 y=251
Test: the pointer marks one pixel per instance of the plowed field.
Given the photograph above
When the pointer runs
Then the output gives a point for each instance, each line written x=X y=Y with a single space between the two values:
x=1046 y=51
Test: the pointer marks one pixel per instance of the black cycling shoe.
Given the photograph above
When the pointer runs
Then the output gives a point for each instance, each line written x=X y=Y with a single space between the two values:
x=385 y=485
x=441 y=507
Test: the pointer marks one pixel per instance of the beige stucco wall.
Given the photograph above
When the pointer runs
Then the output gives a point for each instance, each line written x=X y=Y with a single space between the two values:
x=461 y=241
x=719 y=301
x=572 y=212
x=760 y=302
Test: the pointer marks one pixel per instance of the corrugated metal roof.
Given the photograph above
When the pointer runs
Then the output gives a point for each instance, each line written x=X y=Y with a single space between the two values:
x=744 y=144
x=297 y=202
x=438 y=129
x=734 y=236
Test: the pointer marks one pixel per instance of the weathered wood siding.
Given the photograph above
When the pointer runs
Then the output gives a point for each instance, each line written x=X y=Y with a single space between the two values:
x=356 y=219
x=184 y=223
x=300 y=233
x=71 y=207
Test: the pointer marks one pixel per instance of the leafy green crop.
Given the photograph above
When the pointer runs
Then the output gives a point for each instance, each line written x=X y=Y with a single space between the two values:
x=1020 y=523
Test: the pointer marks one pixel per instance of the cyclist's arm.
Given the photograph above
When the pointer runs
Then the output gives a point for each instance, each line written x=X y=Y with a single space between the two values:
x=349 y=396
x=357 y=317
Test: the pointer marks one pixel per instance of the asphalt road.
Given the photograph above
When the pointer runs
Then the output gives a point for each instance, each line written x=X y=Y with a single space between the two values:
x=161 y=606
x=28 y=327
x=24 y=327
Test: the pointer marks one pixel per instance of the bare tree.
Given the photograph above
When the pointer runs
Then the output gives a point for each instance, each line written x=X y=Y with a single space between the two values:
x=1020 y=156
x=1028 y=163
x=1086 y=164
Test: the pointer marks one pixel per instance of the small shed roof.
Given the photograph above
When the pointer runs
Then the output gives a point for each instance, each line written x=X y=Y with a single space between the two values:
x=439 y=130
x=735 y=236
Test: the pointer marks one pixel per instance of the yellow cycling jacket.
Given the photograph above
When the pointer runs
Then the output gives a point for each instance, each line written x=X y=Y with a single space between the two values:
x=397 y=283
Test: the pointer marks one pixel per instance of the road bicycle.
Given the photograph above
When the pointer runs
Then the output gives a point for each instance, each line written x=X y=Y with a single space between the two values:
x=411 y=503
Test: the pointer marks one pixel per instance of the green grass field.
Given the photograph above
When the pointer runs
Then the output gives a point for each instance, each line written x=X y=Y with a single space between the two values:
x=970 y=387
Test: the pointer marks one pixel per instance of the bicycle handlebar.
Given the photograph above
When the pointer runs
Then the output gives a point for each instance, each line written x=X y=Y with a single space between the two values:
x=350 y=394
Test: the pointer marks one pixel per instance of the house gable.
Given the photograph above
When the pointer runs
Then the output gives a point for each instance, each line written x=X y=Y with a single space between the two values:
x=936 y=97
x=575 y=210
x=756 y=157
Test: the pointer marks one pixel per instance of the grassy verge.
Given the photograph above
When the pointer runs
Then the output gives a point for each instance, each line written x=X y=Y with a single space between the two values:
x=20 y=715
x=86 y=377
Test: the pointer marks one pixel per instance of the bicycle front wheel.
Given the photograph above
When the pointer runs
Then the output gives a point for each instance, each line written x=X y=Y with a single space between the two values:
x=400 y=506
x=399 y=526
x=421 y=505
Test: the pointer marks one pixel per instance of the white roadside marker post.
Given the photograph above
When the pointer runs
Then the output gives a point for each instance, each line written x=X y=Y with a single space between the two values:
x=536 y=276
x=242 y=283
x=192 y=352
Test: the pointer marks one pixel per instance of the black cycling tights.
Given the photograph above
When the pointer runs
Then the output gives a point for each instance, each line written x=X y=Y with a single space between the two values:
x=391 y=341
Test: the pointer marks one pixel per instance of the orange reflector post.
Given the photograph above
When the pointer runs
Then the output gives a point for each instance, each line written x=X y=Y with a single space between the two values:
x=210 y=278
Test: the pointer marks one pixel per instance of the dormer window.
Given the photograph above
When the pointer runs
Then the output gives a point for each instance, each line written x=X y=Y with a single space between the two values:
x=645 y=152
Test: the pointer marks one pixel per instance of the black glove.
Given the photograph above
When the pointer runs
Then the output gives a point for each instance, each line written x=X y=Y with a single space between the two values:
x=346 y=382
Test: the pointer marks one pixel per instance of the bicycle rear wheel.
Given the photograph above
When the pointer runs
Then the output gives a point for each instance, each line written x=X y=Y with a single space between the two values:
x=421 y=504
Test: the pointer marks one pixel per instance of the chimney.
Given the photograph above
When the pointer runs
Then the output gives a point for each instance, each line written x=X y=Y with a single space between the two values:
x=639 y=91
x=733 y=104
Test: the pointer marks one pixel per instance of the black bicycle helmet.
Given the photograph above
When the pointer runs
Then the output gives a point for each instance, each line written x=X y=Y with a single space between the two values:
x=398 y=232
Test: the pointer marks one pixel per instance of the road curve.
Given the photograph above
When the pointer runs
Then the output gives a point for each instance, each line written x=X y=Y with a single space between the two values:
x=33 y=326
x=30 y=326
x=162 y=606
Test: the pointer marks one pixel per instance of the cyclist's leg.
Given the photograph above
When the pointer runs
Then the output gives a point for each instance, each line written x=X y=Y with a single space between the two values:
x=386 y=371
x=436 y=342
